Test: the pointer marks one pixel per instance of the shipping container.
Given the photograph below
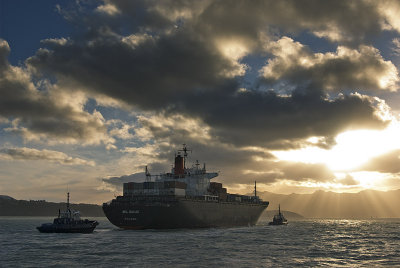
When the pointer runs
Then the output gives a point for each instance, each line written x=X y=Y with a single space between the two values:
x=216 y=185
x=148 y=185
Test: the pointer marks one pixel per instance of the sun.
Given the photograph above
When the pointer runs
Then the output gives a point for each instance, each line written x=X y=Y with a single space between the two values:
x=352 y=150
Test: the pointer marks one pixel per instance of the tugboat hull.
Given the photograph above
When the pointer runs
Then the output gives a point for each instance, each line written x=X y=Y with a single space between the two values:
x=282 y=223
x=67 y=228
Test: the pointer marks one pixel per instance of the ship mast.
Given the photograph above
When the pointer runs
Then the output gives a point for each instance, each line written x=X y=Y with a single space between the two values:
x=255 y=188
x=185 y=151
x=69 y=211
x=68 y=201
x=148 y=176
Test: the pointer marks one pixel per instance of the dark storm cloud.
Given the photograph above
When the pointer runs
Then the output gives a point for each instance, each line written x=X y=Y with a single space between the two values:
x=266 y=119
x=4 y=51
x=153 y=15
x=252 y=118
x=181 y=72
x=43 y=112
x=142 y=70
x=348 y=21
x=386 y=163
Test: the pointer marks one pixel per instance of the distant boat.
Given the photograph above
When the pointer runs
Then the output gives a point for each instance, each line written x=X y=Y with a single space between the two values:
x=279 y=219
x=68 y=221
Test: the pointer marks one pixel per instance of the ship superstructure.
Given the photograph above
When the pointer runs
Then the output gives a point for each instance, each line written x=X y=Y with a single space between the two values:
x=181 y=181
x=182 y=198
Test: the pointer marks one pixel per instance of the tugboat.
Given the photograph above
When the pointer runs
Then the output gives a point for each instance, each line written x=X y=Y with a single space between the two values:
x=279 y=219
x=68 y=221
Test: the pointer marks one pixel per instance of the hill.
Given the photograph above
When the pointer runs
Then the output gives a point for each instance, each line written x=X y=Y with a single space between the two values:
x=12 y=207
x=321 y=204
x=6 y=197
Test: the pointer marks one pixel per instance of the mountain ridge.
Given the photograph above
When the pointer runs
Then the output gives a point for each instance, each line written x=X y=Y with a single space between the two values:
x=12 y=207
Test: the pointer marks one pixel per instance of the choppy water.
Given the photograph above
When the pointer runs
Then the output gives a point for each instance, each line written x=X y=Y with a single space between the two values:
x=339 y=243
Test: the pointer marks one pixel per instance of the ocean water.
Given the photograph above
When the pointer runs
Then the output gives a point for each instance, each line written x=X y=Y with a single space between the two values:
x=338 y=243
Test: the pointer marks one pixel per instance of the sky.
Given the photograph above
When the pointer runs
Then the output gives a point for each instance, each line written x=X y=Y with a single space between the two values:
x=297 y=95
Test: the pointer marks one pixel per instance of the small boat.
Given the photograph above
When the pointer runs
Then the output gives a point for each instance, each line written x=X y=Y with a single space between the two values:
x=279 y=219
x=68 y=221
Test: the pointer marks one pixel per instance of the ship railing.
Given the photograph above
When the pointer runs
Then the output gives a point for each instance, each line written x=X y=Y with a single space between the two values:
x=210 y=198
x=143 y=198
x=214 y=198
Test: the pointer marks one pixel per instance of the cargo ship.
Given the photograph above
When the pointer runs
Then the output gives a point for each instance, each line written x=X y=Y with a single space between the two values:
x=182 y=198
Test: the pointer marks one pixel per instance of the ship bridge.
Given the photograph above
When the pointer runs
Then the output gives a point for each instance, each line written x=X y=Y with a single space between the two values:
x=196 y=178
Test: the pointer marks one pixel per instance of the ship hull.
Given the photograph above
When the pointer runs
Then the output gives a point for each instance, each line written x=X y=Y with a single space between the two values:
x=181 y=213
x=278 y=223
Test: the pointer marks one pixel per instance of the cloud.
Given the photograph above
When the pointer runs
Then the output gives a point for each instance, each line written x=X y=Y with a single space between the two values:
x=389 y=10
x=346 y=69
x=4 y=120
x=297 y=171
x=263 y=118
x=237 y=165
x=386 y=163
x=42 y=110
x=340 y=21
x=172 y=127
x=48 y=155
x=120 y=129
x=118 y=181
x=180 y=74
x=143 y=77
x=184 y=64
x=396 y=46
x=176 y=66
x=271 y=172
x=108 y=9
x=348 y=180
x=189 y=68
